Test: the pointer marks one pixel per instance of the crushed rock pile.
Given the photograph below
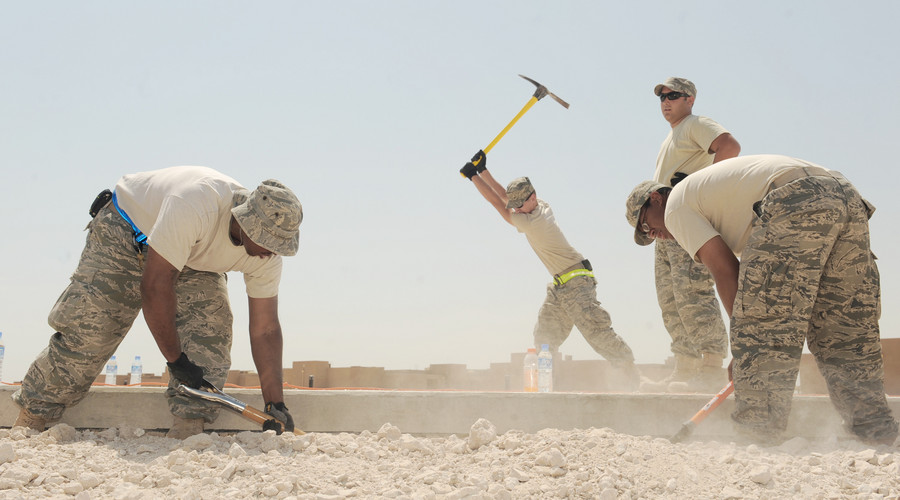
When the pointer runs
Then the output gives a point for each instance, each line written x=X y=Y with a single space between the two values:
x=129 y=463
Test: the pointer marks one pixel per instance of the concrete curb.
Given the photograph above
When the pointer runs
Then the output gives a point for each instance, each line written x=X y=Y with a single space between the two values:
x=447 y=412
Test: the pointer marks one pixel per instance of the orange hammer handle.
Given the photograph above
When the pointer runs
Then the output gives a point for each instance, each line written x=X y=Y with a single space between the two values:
x=713 y=403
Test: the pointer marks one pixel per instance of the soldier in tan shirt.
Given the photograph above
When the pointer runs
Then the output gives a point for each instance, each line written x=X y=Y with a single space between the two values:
x=571 y=296
x=806 y=274
x=684 y=288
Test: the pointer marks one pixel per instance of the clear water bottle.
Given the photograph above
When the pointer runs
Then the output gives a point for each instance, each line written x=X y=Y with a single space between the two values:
x=111 y=371
x=2 y=353
x=545 y=369
x=137 y=369
x=531 y=371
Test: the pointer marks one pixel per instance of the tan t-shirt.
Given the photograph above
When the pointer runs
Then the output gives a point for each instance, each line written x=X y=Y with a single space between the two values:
x=686 y=148
x=185 y=213
x=718 y=200
x=546 y=239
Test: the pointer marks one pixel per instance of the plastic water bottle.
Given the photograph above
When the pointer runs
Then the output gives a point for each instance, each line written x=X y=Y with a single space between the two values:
x=111 y=369
x=531 y=371
x=545 y=369
x=137 y=369
x=2 y=353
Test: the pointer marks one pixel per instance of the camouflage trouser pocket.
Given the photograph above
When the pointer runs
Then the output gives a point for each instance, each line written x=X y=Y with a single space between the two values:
x=765 y=289
x=72 y=302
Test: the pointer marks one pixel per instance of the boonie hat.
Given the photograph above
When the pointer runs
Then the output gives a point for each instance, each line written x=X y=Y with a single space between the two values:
x=678 y=85
x=270 y=216
x=633 y=206
x=518 y=192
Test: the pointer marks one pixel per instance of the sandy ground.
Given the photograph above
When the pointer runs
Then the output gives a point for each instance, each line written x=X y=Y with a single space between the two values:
x=129 y=463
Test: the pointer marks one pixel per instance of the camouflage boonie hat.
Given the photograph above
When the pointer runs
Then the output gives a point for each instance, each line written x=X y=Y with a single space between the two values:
x=678 y=85
x=270 y=216
x=633 y=206
x=518 y=192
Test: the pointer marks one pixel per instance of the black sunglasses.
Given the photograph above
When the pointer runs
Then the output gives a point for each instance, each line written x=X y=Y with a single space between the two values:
x=672 y=96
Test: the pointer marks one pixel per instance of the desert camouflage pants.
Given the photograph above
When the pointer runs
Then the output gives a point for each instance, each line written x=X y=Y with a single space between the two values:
x=575 y=304
x=807 y=273
x=690 y=310
x=97 y=309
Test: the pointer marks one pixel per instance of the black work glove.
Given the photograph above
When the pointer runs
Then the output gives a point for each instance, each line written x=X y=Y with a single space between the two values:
x=677 y=177
x=280 y=412
x=480 y=161
x=468 y=171
x=187 y=372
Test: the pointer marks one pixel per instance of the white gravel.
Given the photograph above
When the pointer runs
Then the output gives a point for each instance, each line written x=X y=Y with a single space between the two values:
x=128 y=463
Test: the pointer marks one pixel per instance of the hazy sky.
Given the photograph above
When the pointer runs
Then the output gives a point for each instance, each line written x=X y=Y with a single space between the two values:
x=368 y=109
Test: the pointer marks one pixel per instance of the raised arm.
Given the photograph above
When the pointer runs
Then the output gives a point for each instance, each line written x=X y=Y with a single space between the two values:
x=490 y=189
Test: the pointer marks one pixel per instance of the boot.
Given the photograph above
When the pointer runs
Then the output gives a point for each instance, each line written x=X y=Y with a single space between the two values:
x=30 y=420
x=183 y=428
x=710 y=376
x=686 y=368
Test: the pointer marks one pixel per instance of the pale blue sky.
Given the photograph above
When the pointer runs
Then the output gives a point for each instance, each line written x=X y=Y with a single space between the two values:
x=368 y=109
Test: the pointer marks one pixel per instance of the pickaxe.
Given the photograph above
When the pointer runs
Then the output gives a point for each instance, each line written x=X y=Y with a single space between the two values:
x=246 y=411
x=688 y=427
x=539 y=94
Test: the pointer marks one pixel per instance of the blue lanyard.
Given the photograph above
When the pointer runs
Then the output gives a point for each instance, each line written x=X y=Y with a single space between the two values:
x=139 y=237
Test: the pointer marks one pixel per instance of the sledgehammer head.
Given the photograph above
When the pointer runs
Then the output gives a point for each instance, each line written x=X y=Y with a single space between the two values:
x=542 y=91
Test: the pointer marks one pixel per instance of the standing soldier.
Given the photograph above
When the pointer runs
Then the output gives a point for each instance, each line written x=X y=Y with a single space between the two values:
x=684 y=288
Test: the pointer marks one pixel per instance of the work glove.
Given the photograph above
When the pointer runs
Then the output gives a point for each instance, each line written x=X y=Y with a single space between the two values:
x=480 y=161
x=677 y=177
x=281 y=414
x=468 y=171
x=187 y=372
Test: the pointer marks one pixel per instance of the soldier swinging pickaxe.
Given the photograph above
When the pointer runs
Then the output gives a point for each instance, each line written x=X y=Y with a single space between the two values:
x=539 y=94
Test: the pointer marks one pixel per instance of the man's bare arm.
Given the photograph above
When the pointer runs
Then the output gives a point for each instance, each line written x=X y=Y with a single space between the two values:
x=266 y=345
x=723 y=266
x=724 y=147
x=483 y=183
x=158 y=302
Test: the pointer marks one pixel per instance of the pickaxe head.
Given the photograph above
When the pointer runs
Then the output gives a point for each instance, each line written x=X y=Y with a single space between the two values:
x=542 y=91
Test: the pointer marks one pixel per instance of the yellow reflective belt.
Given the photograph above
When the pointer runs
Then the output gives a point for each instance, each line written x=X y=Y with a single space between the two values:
x=564 y=278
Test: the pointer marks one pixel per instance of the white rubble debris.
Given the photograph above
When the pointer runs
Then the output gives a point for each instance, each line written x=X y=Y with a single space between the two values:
x=129 y=463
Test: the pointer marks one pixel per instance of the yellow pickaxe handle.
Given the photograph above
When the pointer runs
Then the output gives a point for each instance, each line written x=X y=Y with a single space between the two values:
x=513 y=122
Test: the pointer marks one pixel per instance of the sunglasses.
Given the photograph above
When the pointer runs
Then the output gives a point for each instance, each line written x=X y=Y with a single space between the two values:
x=672 y=96
x=642 y=223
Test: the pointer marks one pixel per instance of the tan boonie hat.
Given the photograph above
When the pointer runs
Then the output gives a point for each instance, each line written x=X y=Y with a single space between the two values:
x=633 y=206
x=270 y=216
x=518 y=192
x=678 y=85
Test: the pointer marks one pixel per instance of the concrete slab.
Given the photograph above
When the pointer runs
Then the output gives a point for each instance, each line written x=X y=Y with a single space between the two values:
x=447 y=412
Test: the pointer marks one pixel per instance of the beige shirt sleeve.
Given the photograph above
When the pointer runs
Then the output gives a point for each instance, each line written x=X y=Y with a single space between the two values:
x=686 y=149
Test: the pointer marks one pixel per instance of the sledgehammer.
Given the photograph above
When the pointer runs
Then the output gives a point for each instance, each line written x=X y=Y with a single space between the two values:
x=688 y=427
x=245 y=410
